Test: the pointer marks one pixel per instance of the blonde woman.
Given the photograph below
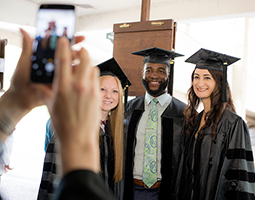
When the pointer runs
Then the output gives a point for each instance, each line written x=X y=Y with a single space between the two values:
x=112 y=82
x=110 y=134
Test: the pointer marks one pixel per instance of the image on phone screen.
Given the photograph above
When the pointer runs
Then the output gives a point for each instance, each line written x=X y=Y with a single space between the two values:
x=53 y=21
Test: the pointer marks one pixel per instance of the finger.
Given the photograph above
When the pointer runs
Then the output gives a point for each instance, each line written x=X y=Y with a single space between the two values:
x=83 y=70
x=79 y=39
x=95 y=93
x=27 y=43
x=75 y=58
x=24 y=62
x=95 y=85
x=75 y=55
x=95 y=81
x=63 y=69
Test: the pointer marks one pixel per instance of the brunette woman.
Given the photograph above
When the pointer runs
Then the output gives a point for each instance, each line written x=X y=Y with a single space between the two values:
x=217 y=159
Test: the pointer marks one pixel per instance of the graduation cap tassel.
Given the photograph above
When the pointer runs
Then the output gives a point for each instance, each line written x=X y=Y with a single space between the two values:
x=125 y=97
x=224 y=97
x=171 y=78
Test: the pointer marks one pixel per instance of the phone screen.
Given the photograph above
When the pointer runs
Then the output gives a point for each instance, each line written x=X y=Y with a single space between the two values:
x=53 y=21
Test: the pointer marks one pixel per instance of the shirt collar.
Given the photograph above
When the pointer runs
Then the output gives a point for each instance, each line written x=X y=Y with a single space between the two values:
x=164 y=98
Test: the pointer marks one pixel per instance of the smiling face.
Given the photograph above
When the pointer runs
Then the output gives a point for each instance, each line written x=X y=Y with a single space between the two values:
x=155 y=78
x=203 y=83
x=109 y=94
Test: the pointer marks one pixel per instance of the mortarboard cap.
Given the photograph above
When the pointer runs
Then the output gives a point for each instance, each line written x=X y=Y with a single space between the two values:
x=158 y=55
x=112 y=68
x=206 y=59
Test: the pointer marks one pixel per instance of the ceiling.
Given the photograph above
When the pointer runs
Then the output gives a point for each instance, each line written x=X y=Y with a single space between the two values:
x=88 y=7
x=24 y=11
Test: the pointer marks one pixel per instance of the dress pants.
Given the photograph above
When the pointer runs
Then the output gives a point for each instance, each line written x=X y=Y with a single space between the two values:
x=142 y=193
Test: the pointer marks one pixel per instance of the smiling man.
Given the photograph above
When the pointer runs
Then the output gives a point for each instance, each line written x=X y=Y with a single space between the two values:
x=153 y=125
x=155 y=78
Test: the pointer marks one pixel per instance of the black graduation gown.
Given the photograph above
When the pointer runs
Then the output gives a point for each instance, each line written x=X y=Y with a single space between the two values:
x=50 y=177
x=218 y=170
x=172 y=125
x=82 y=184
x=107 y=161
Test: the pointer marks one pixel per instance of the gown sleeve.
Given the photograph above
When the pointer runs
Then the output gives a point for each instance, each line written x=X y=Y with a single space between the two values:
x=82 y=184
x=236 y=180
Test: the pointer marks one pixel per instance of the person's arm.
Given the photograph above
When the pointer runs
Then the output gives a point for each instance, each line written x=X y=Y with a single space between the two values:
x=237 y=174
x=75 y=114
x=73 y=101
x=75 y=109
x=5 y=158
x=21 y=97
x=82 y=184
x=74 y=104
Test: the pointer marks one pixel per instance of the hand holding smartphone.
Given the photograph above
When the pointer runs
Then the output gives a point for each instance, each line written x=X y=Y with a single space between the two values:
x=53 y=21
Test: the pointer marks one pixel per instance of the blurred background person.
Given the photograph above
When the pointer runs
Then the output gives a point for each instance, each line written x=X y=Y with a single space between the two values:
x=6 y=156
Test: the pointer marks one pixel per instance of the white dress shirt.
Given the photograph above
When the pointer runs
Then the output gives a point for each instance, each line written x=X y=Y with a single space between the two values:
x=164 y=101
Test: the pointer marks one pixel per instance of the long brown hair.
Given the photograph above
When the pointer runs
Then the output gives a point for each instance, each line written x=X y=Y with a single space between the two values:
x=214 y=115
x=116 y=120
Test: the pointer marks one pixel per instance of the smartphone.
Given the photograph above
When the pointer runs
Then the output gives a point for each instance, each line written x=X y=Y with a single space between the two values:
x=53 y=21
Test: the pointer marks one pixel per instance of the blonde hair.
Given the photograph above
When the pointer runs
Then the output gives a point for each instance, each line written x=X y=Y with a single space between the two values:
x=116 y=120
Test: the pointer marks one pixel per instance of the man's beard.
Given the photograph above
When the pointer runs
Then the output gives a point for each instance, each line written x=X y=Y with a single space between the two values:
x=159 y=91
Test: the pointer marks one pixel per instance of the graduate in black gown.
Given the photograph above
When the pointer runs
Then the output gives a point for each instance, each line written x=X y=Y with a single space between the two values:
x=158 y=81
x=112 y=82
x=217 y=160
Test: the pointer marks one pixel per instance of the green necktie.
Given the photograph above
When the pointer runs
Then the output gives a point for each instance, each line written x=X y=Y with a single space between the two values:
x=150 y=146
